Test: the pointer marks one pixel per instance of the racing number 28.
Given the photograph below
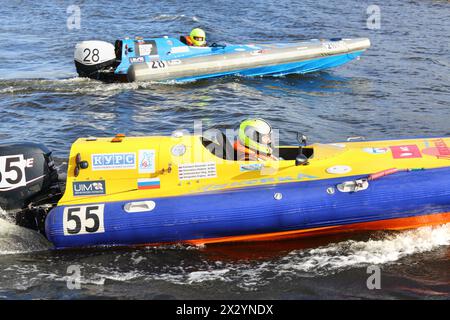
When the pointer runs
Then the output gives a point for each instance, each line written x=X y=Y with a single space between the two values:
x=83 y=219
x=91 y=58
x=158 y=64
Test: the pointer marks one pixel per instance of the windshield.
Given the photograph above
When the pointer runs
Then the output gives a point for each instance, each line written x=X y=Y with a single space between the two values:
x=324 y=151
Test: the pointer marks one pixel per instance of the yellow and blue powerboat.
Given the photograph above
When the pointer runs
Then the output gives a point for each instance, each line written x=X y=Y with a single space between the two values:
x=191 y=189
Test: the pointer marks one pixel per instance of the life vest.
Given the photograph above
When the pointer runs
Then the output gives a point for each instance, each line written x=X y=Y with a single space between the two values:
x=187 y=40
x=250 y=154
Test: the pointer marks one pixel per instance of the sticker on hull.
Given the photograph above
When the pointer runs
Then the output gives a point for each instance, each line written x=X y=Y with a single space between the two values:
x=89 y=188
x=114 y=161
x=149 y=183
x=376 y=150
x=82 y=220
x=250 y=167
x=146 y=161
x=405 y=152
x=440 y=150
x=12 y=171
x=199 y=170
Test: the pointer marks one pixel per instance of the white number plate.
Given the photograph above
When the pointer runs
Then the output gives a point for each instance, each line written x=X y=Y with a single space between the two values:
x=12 y=172
x=84 y=219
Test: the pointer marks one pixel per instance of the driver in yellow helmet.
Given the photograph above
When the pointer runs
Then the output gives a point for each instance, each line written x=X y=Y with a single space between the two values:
x=255 y=141
x=197 y=38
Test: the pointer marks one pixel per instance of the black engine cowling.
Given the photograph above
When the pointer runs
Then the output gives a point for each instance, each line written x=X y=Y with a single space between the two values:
x=27 y=175
x=29 y=184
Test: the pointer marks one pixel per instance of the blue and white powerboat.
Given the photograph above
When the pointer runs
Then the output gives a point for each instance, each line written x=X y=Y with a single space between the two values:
x=169 y=59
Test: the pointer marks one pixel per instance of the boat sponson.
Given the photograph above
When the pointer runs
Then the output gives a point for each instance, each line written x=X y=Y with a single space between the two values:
x=256 y=211
x=237 y=62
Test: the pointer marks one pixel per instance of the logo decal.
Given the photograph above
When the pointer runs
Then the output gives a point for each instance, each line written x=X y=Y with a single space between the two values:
x=137 y=60
x=114 y=161
x=174 y=62
x=440 y=150
x=179 y=49
x=252 y=182
x=376 y=150
x=178 y=150
x=88 y=188
x=250 y=167
x=405 y=152
x=146 y=161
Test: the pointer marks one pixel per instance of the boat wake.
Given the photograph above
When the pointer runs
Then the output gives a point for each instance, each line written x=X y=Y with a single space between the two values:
x=199 y=268
x=174 y=17
x=71 y=85
x=350 y=254
x=250 y=275
x=81 y=86
x=321 y=261
x=16 y=240
x=77 y=85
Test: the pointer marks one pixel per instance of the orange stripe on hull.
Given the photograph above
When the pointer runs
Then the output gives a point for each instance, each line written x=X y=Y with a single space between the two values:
x=390 y=224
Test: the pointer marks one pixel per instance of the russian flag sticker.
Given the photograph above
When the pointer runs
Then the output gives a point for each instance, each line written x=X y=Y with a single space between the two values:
x=149 y=183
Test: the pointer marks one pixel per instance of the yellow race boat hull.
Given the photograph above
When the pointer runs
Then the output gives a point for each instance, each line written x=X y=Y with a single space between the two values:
x=147 y=190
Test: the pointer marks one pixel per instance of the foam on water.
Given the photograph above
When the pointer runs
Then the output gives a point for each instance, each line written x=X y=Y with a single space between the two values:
x=174 y=17
x=349 y=254
x=15 y=239
x=77 y=85
x=71 y=85
x=321 y=261
x=247 y=275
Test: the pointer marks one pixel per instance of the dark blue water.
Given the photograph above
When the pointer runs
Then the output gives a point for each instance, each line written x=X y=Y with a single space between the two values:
x=400 y=87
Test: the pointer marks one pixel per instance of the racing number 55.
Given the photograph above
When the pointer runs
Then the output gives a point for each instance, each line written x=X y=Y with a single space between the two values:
x=83 y=219
x=10 y=167
x=12 y=171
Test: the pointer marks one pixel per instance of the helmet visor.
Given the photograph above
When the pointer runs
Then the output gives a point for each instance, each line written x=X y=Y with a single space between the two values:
x=199 y=38
x=263 y=138
x=266 y=139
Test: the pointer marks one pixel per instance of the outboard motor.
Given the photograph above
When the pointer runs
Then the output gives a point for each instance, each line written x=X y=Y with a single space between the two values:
x=95 y=59
x=28 y=182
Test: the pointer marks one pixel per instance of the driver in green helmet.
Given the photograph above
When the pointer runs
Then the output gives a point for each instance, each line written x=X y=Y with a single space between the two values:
x=255 y=141
x=197 y=38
